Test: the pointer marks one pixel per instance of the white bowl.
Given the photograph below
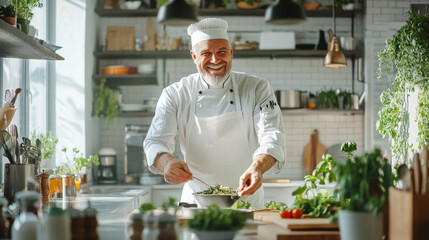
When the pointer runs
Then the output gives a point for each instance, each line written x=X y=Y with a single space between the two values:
x=131 y=5
x=145 y=68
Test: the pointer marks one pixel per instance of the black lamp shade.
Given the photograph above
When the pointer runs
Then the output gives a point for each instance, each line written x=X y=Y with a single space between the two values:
x=284 y=12
x=177 y=13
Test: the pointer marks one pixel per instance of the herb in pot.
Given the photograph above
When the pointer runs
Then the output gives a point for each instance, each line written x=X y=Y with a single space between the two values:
x=76 y=163
x=213 y=219
x=146 y=207
x=105 y=101
x=48 y=143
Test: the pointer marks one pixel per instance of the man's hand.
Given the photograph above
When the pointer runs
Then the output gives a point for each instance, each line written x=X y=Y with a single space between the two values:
x=251 y=180
x=175 y=171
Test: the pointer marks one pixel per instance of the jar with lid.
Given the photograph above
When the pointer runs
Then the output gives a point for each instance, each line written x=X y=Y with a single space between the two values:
x=135 y=227
x=150 y=228
x=54 y=225
x=90 y=223
x=4 y=222
x=55 y=186
x=167 y=227
x=25 y=225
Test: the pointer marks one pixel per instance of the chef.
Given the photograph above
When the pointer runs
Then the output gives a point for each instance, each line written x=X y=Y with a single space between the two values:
x=229 y=124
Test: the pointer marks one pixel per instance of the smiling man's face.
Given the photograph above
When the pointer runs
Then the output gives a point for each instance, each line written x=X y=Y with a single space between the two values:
x=213 y=60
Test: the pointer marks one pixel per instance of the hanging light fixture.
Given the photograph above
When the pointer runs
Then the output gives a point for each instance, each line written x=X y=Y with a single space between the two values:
x=334 y=58
x=177 y=13
x=284 y=12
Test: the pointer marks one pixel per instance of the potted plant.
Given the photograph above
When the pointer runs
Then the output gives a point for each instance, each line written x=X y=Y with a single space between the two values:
x=8 y=14
x=408 y=53
x=247 y=4
x=48 y=145
x=362 y=188
x=24 y=12
x=105 y=101
x=309 y=5
x=217 y=4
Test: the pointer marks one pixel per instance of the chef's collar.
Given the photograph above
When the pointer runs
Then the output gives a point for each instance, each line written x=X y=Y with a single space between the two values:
x=225 y=82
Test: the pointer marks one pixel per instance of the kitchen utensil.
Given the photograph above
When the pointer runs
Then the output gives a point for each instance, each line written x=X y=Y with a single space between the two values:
x=203 y=182
x=17 y=91
x=313 y=152
x=303 y=224
x=222 y=200
x=8 y=96
x=417 y=173
x=16 y=177
x=3 y=136
x=403 y=175
x=291 y=98
x=14 y=131
x=412 y=185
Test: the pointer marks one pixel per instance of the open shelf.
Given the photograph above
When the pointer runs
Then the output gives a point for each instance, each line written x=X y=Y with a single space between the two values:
x=128 y=79
x=237 y=54
x=16 y=44
x=142 y=12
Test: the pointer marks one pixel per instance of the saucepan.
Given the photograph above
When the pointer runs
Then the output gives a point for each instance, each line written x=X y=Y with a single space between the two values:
x=291 y=98
x=349 y=43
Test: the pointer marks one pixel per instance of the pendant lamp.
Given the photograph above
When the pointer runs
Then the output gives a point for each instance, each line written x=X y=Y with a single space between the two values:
x=284 y=12
x=177 y=13
x=334 y=58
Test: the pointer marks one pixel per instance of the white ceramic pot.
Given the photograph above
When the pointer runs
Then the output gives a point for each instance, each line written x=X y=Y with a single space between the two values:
x=360 y=225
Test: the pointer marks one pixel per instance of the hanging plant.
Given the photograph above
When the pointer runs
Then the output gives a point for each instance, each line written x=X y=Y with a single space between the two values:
x=105 y=101
x=408 y=52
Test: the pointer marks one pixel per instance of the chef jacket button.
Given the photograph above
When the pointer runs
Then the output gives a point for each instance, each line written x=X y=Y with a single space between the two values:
x=231 y=90
x=200 y=92
x=231 y=102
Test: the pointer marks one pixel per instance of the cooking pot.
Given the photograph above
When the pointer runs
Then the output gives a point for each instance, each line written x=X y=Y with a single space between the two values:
x=291 y=98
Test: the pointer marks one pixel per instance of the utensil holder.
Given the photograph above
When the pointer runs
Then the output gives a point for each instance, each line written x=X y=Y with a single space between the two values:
x=16 y=178
x=408 y=215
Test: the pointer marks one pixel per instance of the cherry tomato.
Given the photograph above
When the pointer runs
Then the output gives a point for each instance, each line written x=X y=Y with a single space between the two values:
x=296 y=213
x=286 y=214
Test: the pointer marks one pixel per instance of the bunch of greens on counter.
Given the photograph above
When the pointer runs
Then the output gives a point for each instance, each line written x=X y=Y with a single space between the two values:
x=214 y=218
x=277 y=206
x=321 y=205
x=218 y=189
x=146 y=207
x=239 y=204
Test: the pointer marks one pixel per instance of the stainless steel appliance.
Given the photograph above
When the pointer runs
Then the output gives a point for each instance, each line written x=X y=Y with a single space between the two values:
x=135 y=163
x=291 y=98
x=105 y=173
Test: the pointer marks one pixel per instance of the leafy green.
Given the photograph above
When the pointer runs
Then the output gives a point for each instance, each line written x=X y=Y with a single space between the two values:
x=239 y=204
x=146 y=207
x=408 y=55
x=318 y=206
x=249 y=2
x=363 y=182
x=24 y=7
x=48 y=143
x=77 y=162
x=278 y=206
x=214 y=218
x=218 y=189
x=170 y=204
x=105 y=101
x=349 y=147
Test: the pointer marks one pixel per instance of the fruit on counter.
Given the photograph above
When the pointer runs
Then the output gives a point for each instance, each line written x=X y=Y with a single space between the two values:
x=285 y=214
x=218 y=189
x=293 y=213
x=296 y=213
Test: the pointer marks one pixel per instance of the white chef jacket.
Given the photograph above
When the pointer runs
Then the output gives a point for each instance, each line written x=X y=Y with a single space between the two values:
x=262 y=117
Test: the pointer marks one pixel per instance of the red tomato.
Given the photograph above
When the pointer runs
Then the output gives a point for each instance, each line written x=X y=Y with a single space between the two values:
x=286 y=214
x=296 y=213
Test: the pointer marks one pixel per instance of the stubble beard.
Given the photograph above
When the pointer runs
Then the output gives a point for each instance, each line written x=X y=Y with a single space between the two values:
x=215 y=81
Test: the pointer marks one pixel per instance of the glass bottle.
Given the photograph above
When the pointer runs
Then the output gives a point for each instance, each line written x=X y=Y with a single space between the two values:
x=25 y=225
x=55 y=186
x=4 y=222
x=77 y=182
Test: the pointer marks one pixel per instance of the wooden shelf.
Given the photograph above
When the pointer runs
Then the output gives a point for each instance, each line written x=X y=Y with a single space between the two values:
x=142 y=12
x=237 y=54
x=128 y=79
x=16 y=44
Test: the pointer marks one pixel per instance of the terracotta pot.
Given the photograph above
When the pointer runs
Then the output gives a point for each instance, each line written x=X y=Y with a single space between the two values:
x=213 y=6
x=311 y=6
x=10 y=20
x=244 y=5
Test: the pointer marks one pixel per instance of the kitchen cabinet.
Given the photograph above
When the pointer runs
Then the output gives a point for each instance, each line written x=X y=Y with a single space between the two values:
x=163 y=55
x=16 y=44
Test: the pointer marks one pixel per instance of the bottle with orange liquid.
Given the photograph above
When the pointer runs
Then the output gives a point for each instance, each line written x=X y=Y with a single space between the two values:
x=55 y=186
x=77 y=181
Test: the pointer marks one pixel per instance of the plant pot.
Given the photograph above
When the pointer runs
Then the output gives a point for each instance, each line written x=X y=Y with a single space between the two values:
x=244 y=5
x=214 y=6
x=23 y=25
x=360 y=225
x=311 y=6
x=10 y=20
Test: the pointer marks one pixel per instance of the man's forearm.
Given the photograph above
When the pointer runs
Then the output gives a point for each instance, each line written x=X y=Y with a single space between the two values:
x=263 y=163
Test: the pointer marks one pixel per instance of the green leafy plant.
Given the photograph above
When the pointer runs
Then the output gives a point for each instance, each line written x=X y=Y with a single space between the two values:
x=48 y=143
x=105 y=101
x=170 y=204
x=7 y=11
x=75 y=164
x=214 y=218
x=277 y=206
x=217 y=3
x=239 y=204
x=24 y=8
x=146 y=207
x=320 y=205
x=408 y=53
x=363 y=182
x=249 y=2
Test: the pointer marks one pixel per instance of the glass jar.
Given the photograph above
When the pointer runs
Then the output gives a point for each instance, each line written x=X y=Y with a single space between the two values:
x=25 y=225
x=55 y=186
x=69 y=187
x=77 y=182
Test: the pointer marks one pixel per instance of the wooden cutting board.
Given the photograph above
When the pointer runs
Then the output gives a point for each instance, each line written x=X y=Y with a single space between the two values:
x=310 y=224
x=313 y=153
x=274 y=232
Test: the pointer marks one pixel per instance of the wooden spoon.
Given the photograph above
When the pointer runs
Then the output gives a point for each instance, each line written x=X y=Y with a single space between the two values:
x=17 y=91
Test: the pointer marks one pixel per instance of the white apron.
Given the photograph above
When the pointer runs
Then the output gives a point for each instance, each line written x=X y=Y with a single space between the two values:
x=217 y=148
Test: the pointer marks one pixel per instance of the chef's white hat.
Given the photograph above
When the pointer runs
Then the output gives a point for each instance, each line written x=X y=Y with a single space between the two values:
x=208 y=28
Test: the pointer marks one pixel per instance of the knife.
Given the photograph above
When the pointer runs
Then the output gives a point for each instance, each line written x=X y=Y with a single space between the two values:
x=417 y=173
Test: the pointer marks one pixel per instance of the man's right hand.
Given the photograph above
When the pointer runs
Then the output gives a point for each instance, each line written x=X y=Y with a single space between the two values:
x=175 y=171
